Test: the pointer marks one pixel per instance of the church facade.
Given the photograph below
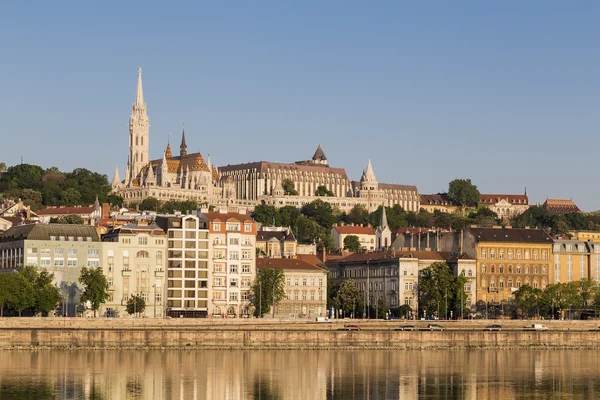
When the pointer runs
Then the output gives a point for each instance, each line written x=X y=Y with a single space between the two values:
x=192 y=177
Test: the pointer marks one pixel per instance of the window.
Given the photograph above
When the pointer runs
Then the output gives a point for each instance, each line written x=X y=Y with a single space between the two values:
x=59 y=262
x=247 y=227
x=93 y=263
x=470 y=272
x=518 y=254
x=502 y=269
x=143 y=240
x=510 y=255
x=493 y=269
x=72 y=252
x=158 y=298
x=526 y=270
x=233 y=296
x=320 y=282
x=159 y=258
x=217 y=281
x=483 y=268
x=246 y=255
x=231 y=227
x=233 y=282
x=94 y=253
x=142 y=254
x=569 y=247
x=535 y=255
x=245 y=282
x=234 y=255
x=59 y=252
x=72 y=262
x=304 y=295
x=246 y=269
x=303 y=281
x=216 y=226
x=296 y=282
x=493 y=254
x=234 y=241
x=518 y=269
x=501 y=254
x=544 y=255
x=556 y=248
x=233 y=269
x=245 y=295
x=483 y=253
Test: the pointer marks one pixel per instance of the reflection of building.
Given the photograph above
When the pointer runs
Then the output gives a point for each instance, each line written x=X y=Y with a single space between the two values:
x=366 y=236
x=232 y=264
x=187 y=265
x=559 y=207
x=135 y=261
x=60 y=249
x=509 y=258
x=305 y=287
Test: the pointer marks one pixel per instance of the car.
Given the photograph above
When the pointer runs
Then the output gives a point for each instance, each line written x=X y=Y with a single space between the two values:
x=539 y=327
x=406 y=328
x=322 y=320
x=351 y=328
x=494 y=327
x=435 y=327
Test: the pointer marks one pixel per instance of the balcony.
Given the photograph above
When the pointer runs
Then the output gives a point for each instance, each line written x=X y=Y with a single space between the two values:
x=159 y=273
x=126 y=272
x=493 y=289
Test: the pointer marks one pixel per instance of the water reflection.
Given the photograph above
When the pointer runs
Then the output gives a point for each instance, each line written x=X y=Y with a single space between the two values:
x=174 y=374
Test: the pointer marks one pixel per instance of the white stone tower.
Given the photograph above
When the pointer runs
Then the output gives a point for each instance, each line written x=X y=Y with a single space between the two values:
x=138 y=134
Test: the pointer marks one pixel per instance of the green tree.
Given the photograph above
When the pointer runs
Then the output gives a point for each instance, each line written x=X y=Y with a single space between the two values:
x=22 y=295
x=463 y=193
x=267 y=290
x=71 y=197
x=288 y=187
x=22 y=176
x=89 y=185
x=150 y=204
x=47 y=294
x=323 y=192
x=528 y=300
x=186 y=206
x=136 y=305
x=358 y=215
x=96 y=287
x=266 y=215
x=2 y=167
x=286 y=216
x=348 y=297
x=352 y=243
x=437 y=286
x=7 y=286
x=67 y=219
x=115 y=200
x=320 y=212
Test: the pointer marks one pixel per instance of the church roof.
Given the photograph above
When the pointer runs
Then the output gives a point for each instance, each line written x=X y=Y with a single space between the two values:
x=215 y=173
x=319 y=154
x=265 y=166
x=194 y=161
x=559 y=207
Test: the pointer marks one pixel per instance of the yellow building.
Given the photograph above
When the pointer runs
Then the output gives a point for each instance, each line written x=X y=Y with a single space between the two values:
x=575 y=260
x=594 y=236
x=508 y=259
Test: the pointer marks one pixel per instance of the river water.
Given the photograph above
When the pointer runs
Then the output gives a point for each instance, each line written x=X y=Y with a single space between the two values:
x=295 y=374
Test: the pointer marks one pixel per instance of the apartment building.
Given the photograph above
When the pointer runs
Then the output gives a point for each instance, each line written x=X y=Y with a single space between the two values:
x=187 y=265
x=305 y=288
x=232 y=249
x=59 y=248
x=135 y=262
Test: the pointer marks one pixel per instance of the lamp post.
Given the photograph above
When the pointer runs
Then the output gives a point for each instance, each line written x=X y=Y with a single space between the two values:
x=154 y=286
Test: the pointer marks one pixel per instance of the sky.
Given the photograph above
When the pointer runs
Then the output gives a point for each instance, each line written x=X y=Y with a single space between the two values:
x=504 y=93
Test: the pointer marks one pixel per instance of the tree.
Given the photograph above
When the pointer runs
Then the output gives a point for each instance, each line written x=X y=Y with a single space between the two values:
x=266 y=215
x=47 y=294
x=528 y=300
x=115 y=200
x=2 y=167
x=323 y=192
x=437 y=286
x=352 y=243
x=22 y=295
x=150 y=204
x=287 y=216
x=320 y=212
x=358 y=215
x=22 y=176
x=67 y=219
x=7 y=286
x=348 y=297
x=71 y=197
x=288 y=187
x=136 y=304
x=463 y=193
x=267 y=290
x=96 y=287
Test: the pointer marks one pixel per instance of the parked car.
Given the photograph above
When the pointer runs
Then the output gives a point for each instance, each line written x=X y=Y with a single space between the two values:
x=539 y=327
x=494 y=327
x=406 y=328
x=435 y=327
x=323 y=320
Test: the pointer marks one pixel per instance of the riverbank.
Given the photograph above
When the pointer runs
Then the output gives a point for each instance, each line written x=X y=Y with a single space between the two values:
x=270 y=334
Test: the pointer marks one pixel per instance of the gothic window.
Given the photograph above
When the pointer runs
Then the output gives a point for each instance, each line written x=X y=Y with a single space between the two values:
x=502 y=269
x=142 y=140
x=136 y=157
x=136 y=140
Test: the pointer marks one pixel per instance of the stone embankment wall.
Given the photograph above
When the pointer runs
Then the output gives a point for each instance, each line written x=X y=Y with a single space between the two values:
x=269 y=334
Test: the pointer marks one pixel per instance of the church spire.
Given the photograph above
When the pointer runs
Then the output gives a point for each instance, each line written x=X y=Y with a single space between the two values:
x=183 y=146
x=383 y=219
x=116 y=181
x=168 y=153
x=139 y=95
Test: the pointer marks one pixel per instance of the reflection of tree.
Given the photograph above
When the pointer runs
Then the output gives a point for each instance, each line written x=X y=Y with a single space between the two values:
x=26 y=390
x=134 y=387
x=264 y=390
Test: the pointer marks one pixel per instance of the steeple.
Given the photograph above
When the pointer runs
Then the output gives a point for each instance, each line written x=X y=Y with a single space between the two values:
x=164 y=170
x=383 y=219
x=208 y=164
x=116 y=181
x=139 y=96
x=150 y=177
x=368 y=181
x=319 y=156
x=183 y=146
x=168 y=153
x=138 y=134
x=96 y=204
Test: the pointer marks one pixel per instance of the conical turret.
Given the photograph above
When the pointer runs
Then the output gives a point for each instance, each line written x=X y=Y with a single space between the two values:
x=183 y=146
x=116 y=181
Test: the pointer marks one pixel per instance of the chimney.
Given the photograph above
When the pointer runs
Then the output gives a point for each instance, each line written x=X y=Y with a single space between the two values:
x=105 y=210
x=323 y=254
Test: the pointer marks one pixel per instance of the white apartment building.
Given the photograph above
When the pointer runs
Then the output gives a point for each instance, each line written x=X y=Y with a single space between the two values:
x=135 y=261
x=232 y=246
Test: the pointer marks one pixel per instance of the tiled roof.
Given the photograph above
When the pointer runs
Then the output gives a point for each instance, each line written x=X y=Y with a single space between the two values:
x=435 y=199
x=390 y=255
x=559 y=207
x=510 y=198
x=215 y=215
x=388 y=186
x=407 y=229
x=310 y=258
x=265 y=166
x=319 y=154
x=264 y=236
x=44 y=231
x=354 y=230
x=514 y=235
x=194 y=161
x=66 y=211
x=286 y=264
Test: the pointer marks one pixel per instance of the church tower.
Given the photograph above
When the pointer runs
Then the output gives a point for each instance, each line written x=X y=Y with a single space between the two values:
x=138 y=134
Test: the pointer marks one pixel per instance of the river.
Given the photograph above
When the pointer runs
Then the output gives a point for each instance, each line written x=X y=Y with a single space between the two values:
x=296 y=374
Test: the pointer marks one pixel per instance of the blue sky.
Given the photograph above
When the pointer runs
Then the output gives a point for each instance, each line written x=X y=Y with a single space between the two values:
x=505 y=93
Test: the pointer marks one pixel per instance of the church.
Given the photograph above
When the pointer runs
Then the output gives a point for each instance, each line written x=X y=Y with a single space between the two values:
x=192 y=177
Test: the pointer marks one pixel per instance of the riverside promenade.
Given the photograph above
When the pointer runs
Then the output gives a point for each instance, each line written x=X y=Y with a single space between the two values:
x=100 y=333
